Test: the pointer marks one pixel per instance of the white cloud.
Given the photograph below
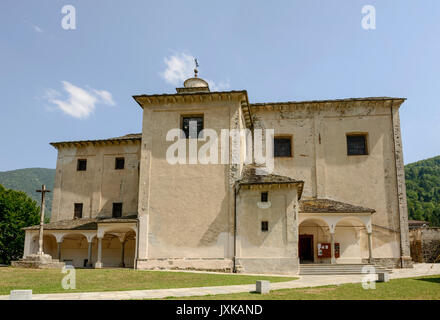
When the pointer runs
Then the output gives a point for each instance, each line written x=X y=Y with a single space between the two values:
x=37 y=28
x=221 y=86
x=180 y=66
x=106 y=97
x=80 y=103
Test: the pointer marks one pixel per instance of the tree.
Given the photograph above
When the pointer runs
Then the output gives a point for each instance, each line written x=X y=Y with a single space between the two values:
x=423 y=190
x=17 y=211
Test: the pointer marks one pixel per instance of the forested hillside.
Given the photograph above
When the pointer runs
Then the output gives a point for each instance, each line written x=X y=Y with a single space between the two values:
x=423 y=190
x=29 y=180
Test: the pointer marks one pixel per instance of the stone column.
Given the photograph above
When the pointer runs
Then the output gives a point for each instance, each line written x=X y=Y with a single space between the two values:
x=89 y=254
x=59 y=250
x=122 y=263
x=333 y=259
x=370 y=247
x=98 y=264
x=136 y=251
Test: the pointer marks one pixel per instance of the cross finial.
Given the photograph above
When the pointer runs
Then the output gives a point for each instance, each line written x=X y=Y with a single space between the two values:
x=195 y=69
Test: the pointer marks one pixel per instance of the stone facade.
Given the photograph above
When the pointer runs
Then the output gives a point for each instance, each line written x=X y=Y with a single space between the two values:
x=208 y=216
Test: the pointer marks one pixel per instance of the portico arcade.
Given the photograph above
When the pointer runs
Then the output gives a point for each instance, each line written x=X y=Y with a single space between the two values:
x=351 y=232
x=110 y=245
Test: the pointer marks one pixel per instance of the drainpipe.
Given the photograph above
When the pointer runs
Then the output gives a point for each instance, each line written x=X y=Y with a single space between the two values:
x=234 y=270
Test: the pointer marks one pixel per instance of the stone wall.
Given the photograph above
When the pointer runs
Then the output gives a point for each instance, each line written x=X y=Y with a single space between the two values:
x=425 y=244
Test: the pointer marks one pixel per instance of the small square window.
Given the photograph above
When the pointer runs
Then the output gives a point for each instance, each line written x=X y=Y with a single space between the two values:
x=81 y=165
x=117 y=210
x=282 y=147
x=78 y=210
x=191 y=126
x=356 y=144
x=119 y=163
x=264 y=226
x=264 y=197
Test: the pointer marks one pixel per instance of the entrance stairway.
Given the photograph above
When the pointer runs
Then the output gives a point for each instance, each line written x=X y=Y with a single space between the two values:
x=322 y=269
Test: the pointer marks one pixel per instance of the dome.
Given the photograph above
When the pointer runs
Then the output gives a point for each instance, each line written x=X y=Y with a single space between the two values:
x=195 y=83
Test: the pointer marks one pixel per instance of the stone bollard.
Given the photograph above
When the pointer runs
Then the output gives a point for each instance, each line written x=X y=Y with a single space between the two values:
x=262 y=286
x=383 y=277
x=20 y=295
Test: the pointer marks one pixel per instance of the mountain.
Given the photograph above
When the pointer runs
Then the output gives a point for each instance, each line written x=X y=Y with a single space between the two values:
x=29 y=180
x=423 y=190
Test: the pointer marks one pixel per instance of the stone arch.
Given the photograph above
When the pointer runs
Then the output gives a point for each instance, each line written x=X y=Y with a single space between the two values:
x=118 y=245
x=310 y=220
x=311 y=231
x=74 y=249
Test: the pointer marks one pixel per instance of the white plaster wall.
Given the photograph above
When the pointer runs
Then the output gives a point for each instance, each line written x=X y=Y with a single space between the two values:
x=187 y=209
x=254 y=243
x=100 y=185
x=320 y=159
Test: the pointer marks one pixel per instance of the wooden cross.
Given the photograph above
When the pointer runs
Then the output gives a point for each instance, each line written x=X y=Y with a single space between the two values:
x=40 y=241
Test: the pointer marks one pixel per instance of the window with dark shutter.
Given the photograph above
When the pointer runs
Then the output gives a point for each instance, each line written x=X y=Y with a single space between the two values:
x=81 y=165
x=78 y=210
x=264 y=197
x=117 y=210
x=356 y=145
x=282 y=147
x=264 y=226
x=119 y=163
x=190 y=122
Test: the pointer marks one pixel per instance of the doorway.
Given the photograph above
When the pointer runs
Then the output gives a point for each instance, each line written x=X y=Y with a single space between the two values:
x=305 y=248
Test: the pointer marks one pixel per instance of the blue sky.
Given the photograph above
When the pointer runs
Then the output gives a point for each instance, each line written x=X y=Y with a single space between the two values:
x=58 y=84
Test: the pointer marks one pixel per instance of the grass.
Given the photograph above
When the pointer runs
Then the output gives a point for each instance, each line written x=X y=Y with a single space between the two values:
x=421 y=288
x=88 y=280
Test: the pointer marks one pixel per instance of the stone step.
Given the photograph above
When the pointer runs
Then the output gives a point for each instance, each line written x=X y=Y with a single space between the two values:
x=325 y=269
x=339 y=268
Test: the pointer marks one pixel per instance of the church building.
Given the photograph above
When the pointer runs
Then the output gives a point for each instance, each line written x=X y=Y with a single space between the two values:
x=336 y=194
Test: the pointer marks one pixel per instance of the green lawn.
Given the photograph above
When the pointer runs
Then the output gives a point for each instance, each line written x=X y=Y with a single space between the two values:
x=49 y=280
x=422 y=288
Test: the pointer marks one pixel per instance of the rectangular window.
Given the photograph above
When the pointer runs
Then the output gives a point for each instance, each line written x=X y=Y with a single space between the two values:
x=356 y=144
x=119 y=163
x=81 y=165
x=191 y=126
x=78 y=210
x=282 y=147
x=264 y=197
x=264 y=226
x=117 y=210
